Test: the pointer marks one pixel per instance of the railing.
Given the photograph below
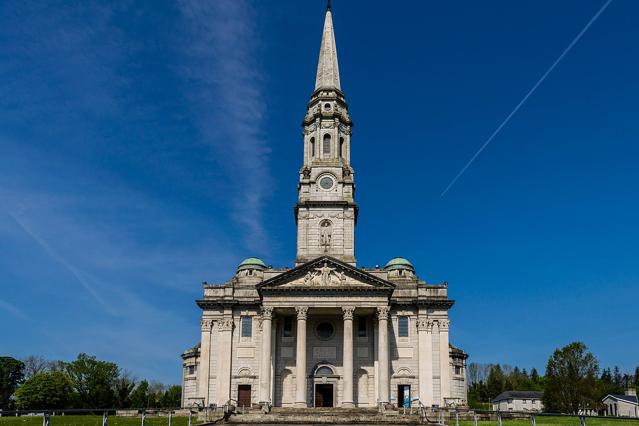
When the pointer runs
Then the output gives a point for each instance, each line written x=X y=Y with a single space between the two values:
x=454 y=415
x=105 y=413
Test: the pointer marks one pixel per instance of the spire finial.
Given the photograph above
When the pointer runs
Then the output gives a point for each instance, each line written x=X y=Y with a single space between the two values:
x=327 y=69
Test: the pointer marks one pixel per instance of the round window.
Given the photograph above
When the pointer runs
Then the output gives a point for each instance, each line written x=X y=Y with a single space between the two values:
x=326 y=182
x=325 y=330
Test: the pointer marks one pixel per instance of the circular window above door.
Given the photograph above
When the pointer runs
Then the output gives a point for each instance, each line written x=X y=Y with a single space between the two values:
x=325 y=330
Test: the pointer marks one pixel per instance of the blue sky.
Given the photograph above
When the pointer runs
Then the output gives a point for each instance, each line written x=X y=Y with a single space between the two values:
x=150 y=146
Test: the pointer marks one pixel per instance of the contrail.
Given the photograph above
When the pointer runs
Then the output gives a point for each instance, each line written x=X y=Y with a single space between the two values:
x=525 y=98
x=70 y=268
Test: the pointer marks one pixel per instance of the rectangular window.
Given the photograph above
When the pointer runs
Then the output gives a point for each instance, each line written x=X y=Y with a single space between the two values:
x=247 y=326
x=361 y=326
x=402 y=328
x=288 y=327
x=457 y=369
x=191 y=369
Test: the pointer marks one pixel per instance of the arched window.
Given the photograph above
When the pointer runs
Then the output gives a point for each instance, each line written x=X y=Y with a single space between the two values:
x=342 y=154
x=326 y=146
x=312 y=147
x=324 y=370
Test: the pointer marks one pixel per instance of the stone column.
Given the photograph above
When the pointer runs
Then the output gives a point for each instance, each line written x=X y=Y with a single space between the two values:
x=425 y=333
x=300 y=357
x=205 y=360
x=347 y=400
x=382 y=321
x=444 y=360
x=265 y=364
x=225 y=346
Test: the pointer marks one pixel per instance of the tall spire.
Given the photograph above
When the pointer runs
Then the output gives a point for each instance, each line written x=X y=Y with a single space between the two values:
x=327 y=69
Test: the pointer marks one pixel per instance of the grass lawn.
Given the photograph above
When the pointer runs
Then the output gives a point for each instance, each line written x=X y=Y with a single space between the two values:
x=553 y=421
x=94 y=421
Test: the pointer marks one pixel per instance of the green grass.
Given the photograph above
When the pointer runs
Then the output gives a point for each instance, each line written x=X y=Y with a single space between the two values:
x=552 y=421
x=94 y=421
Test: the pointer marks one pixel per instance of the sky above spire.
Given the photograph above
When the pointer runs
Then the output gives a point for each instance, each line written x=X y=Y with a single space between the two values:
x=327 y=68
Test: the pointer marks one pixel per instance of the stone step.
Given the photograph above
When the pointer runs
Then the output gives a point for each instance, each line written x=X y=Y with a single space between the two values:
x=325 y=416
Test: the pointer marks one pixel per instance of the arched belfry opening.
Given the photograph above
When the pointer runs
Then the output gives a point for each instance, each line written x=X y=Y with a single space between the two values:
x=326 y=146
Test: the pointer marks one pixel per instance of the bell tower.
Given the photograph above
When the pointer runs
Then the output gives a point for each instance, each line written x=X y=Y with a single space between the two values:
x=326 y=213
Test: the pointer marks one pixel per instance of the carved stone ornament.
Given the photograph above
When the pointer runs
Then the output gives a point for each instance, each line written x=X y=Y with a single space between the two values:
x=382 y=312
x=328 y=125
x=425 y=324
x=309 y=129
x=306 y=173
x=443 y=324
x=206 y=324
x=225 y=324
x=267 y=312
x=348 y=312
x=301 y=312
x=324 y=276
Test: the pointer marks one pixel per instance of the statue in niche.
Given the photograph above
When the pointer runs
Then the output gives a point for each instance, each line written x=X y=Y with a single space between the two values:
x=325 y=234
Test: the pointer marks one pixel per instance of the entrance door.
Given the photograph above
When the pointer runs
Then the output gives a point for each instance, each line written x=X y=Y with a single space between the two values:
x=323 y=395
x=244 y=395
x=403 y=391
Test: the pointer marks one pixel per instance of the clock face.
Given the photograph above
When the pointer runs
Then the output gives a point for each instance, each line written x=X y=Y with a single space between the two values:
x=326 y=183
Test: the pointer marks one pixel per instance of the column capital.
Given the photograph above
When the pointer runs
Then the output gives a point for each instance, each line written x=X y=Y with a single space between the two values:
x=301 y=312
x=348 y=312
x=382 y=312
x=206 y=324
x=425 y=324
x=443 y=324
x=225 y=324
x=267 y=312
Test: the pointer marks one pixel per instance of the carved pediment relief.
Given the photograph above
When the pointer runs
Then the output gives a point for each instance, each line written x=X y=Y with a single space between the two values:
x=325 y=273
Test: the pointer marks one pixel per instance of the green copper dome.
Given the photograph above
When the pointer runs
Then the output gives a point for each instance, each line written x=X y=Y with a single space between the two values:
x=251 y=263
x=399 y=263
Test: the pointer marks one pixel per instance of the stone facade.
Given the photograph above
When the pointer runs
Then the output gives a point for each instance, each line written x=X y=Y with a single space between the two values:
x=325 y=332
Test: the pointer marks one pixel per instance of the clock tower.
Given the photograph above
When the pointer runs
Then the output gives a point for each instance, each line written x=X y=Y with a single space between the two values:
x=326 y=213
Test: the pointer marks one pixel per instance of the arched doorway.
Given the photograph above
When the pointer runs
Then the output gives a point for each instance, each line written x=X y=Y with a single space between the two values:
x=288 y=388
x=325 y=386
x=361 y=387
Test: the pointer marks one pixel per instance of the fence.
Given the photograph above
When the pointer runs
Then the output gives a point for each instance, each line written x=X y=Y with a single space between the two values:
x=455 y=415
x=141 y=414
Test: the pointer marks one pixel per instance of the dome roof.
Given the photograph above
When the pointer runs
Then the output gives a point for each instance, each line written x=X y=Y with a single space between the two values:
x=399 y=263
x=251 y=263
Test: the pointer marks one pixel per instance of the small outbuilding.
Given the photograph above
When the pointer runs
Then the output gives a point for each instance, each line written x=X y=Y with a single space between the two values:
x=518 y=401
x=625 y=405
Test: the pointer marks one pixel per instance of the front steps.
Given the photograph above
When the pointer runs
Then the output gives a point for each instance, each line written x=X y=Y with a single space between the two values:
x=339 y=416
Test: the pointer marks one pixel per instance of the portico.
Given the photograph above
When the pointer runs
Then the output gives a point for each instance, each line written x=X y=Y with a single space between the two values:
x=344 y=384
x=325 y=297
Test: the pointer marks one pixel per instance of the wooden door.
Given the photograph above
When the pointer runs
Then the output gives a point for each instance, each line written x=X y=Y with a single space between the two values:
x=244 y=395
x=319 y=396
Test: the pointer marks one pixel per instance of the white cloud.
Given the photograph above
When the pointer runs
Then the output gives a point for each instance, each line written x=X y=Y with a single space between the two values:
x=227 y=101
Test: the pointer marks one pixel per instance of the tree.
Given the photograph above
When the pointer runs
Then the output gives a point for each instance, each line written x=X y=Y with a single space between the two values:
x=571 y=379
x=46 y=390
x=11 y=375
x=172 y=397
x=140 y=395
x=495 y=382
x=636 y=382
x=93 y=381
x=534 y=376
x=34 y=365
x=123 y=387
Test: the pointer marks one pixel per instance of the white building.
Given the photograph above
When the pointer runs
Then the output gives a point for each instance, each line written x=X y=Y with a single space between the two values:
x=325 y=332
x=518 y=401
x=625 y=405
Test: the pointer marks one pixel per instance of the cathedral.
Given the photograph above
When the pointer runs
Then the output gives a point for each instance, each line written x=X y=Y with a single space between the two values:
x=325 y=333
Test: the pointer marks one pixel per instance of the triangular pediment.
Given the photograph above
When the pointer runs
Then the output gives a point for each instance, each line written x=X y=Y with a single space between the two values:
x=325 y=274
